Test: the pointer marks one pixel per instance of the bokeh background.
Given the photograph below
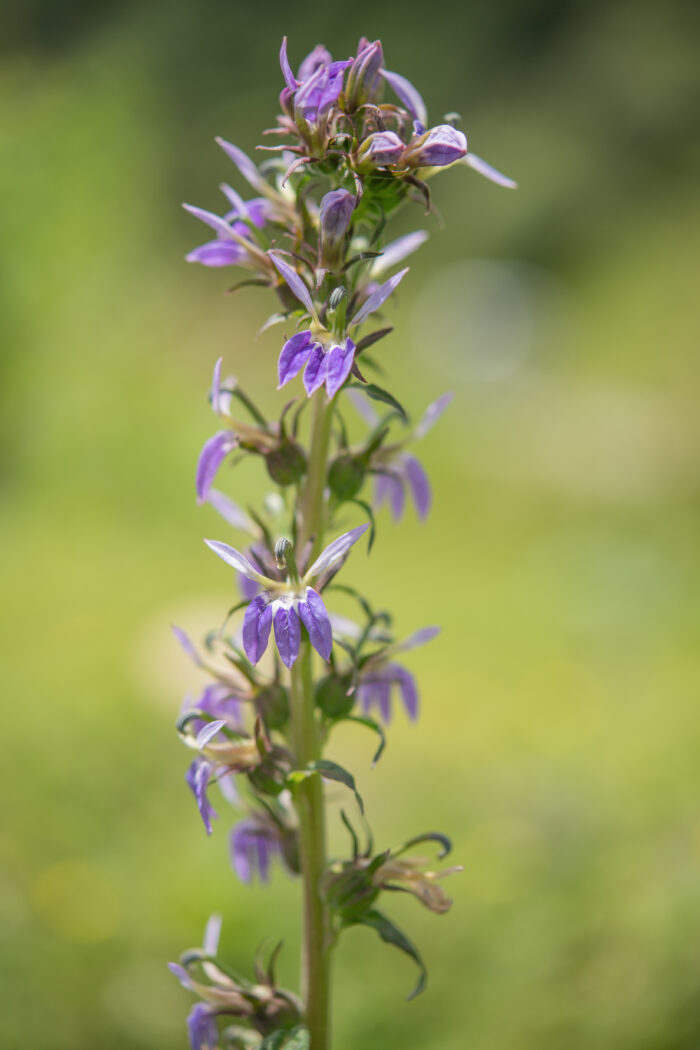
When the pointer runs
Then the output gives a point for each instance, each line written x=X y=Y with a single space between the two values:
x=561 y=729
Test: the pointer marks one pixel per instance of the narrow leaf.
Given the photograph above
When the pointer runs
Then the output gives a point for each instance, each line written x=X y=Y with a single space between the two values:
x=370 y=723
x=392 y=935
x=332 y=771
x=377 y=393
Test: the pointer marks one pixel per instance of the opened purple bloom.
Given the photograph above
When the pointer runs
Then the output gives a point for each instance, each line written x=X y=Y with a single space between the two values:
x=285 y=607
x=253 y=844
x=324 y=365
x=404 y=473
x=381 y=677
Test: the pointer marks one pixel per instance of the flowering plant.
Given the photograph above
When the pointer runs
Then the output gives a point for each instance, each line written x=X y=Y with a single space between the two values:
x=315 y=235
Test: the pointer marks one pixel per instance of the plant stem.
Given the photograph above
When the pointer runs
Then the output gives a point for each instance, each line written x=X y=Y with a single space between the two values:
x=306 y=746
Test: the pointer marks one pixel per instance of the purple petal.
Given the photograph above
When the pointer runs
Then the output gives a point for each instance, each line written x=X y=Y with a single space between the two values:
x=218 y=701
x=408 y=689
x=212 y=933
x=316 y=369
x=248 y=588
x=489 y=172
x=182 y=975
x=313 y=61
x=216 y=385
x=314 y=616
x=234 y=558
x=364 y=407
x=397 y=251
x=431 y=415
x=336 y=550
x=294 y=281
x=340 y=359
x=333 y=85
x=287 y=634
x=217 y=253
x=375 y=691
x=420 y=485
x=379 y=297
x=214 y=452
x=418 y=638
x=251 y=846
x=202 y=1028
x=208 y=731
x=230 y=511
x=289 y=77
x=407 y=94
x=389 y=487
x=215 y=221
x=197 y=778
x=256 y=628
x=246 y=167
x=239 y=205
x=295 y=353
x=240 y=852
x=187 y=644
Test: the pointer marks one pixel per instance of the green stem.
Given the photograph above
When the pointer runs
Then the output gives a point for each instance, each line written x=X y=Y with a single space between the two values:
x=306 y=746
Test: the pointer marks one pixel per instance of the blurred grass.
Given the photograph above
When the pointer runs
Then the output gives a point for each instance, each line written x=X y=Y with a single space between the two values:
x=560 y=729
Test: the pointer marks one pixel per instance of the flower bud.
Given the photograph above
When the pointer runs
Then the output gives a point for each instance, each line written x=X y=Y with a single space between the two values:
x=335 y=214
x=286 y=464
x=436 y=148
x=346 y=476
x=379 y=150
x=332 y=696
x=364 y=82
x=273 y=705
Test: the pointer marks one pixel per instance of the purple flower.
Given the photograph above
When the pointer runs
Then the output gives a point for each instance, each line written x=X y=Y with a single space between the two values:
x=437 y=147
x=284 y=607
x=231 y=231
x=313 y=100
x=397 y=471
x=220 y=445
x=381 y=677
x=253 y=844
x=330 y=365
x=202 y=1028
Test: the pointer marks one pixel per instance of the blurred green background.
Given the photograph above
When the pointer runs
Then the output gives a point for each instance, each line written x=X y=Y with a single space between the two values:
x=560 y=733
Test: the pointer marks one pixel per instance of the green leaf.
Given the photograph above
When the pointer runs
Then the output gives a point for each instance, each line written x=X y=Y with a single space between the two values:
x=371 y=339
x=377 y=393
x=392 y=935
x=428 y=836
x=353 y=834
x=372 y=527
x=370 y=723
x=332 y=771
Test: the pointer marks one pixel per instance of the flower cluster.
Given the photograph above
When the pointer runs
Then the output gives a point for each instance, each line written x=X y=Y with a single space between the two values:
x=356 y=144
